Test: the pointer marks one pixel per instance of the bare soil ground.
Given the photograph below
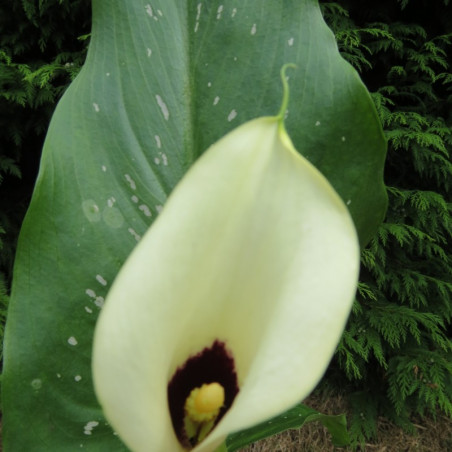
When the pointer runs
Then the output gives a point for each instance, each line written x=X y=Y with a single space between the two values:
x=431 y=435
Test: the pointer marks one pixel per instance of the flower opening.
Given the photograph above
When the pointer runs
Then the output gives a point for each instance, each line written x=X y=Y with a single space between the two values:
x=200 y=393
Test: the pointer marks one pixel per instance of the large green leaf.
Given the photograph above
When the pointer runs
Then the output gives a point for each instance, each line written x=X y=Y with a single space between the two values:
x=162 y=81
x=294 y=418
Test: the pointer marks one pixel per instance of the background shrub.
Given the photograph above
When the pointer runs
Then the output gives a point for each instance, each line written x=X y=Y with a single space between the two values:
x=395 y=357
x=42 y=47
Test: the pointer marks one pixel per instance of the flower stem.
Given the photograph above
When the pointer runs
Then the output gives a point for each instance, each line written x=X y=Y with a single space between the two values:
x=222 y=448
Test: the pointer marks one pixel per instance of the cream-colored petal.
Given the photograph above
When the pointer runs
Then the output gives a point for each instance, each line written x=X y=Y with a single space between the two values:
x=253 y=248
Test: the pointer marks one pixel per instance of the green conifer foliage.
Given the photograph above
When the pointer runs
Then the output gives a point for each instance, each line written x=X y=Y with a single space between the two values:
x=396 y=353
x=41 y=50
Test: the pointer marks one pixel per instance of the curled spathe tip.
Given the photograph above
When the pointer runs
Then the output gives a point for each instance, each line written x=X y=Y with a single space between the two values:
x=285 y=84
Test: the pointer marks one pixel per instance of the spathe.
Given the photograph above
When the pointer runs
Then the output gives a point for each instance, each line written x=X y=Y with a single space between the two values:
x=255 y=249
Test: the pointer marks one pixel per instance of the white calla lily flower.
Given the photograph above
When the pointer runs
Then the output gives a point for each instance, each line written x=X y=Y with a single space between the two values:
x=245 y=280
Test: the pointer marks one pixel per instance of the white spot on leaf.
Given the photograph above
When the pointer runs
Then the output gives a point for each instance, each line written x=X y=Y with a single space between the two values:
x=130 y=181
x=317 y=123
x=101 y=280
x=149 y=52
x=163 y=107
x=149 y=10
x=88 y=310
x=134 y=198
x=91 y=210
x=134 y=234
x=232 y=115
x=234 y=12
x=72 y=341
x=99 y=302
x=216 y=100
x=88 y=428
x=158 y=141
x=90 y=293
x=219 y=11
x=113 y=217
x=254 y=29
x=96 y=107
x=145 y=209
x=77 y=378
x=198 y=15
x=36 y=384
x=290 y=42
